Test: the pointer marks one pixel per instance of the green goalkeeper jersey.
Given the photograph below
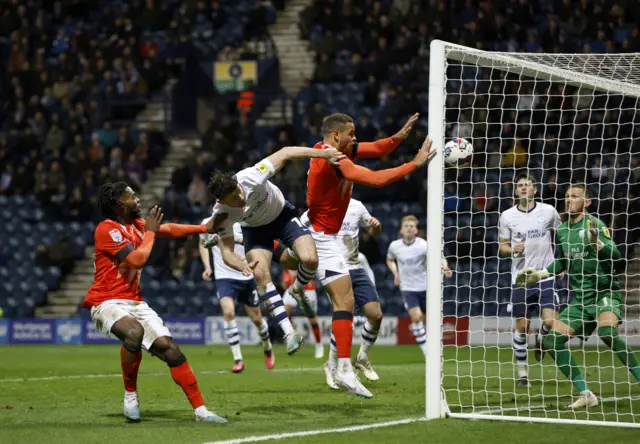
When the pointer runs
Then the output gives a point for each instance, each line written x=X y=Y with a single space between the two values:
x=590 y=271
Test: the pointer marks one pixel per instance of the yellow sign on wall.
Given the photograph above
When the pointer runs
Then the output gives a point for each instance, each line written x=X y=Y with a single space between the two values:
x=233 y=76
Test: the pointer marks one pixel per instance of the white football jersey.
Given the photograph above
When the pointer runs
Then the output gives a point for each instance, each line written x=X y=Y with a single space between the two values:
x=264 y=200
x=357 y=216
x=412 y=263
x=364 y=263
x=220 y=269
x=533 y=227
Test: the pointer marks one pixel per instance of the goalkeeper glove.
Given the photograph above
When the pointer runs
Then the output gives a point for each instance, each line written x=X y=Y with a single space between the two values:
x=531 y=276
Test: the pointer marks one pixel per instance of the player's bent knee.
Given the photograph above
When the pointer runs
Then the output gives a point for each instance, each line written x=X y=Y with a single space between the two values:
x=607 y=333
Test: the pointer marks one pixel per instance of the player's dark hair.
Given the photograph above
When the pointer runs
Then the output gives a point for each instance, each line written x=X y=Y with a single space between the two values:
x=525 y=176
x=583 y=187
x=335 y=122
x=108 y=196
x=221 y=184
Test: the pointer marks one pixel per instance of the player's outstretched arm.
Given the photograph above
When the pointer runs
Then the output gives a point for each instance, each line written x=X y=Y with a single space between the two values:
x=180 y=230
x=383 y=147
x=282 y=156
x=364 y=176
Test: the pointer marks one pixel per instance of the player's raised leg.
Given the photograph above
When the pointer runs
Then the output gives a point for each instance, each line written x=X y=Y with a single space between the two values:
x=271 y=298
x=228 y=306
x=547 y=316
x=305 y=249
x=261 y=324
x=167 y=350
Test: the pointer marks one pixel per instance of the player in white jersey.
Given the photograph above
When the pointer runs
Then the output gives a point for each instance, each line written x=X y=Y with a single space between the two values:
x=364 y=290
x=407 y=261
x=526 y=236
x=232 y=285
x=264 y=215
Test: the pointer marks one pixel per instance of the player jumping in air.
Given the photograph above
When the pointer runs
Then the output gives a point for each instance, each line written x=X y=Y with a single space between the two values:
x=329 y=194
x=232 y=286
x=364 y=290
x=407 y=261
x=309 y=307
x=123 y=242
x=259 y=206
x=588 y=255
x=526 y=236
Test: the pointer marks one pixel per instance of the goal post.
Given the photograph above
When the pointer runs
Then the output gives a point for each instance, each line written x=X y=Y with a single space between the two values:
x=544 y=115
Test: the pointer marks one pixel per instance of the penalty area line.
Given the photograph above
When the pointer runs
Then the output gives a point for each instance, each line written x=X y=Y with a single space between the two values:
x=318 y=432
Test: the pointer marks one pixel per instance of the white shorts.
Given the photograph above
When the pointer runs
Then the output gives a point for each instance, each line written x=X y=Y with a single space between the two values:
x=291 y=301
x=105 y=315
x=331 y=263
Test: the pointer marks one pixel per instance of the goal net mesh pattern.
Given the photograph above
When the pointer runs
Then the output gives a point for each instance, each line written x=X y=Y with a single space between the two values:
x=561 y=119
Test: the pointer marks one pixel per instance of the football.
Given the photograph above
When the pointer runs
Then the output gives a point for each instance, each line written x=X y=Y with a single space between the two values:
x=456 y=150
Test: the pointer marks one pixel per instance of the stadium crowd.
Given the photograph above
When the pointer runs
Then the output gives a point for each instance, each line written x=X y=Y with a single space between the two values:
x=69 y=65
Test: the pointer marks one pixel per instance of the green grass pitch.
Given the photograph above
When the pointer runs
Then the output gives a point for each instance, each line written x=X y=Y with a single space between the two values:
x=294 y=397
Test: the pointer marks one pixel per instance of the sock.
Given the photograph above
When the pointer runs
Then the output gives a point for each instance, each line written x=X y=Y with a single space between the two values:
x=303 y=277
x=342 y=327
x=264 y=336
x=520 y=352
x=369 y=337
x=420 y=333
x=609 y=336
x=183 y=375
x=316 y=332
x=555 y=343
x=233 y=338
x=333 y=352
x=130 y=363
x=273 y=301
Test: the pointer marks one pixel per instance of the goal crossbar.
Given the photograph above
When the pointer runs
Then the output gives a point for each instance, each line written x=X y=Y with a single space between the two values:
x=571 y=70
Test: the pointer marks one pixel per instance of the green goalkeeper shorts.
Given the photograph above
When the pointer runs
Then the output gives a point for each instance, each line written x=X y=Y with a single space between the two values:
x=583 y=318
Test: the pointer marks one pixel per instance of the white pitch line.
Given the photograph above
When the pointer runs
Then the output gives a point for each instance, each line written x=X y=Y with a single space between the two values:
x=317 y=432
x=509 y=409
x=204 y=372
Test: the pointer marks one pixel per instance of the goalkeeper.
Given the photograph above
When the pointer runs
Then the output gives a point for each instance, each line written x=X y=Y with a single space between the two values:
x=587 y=254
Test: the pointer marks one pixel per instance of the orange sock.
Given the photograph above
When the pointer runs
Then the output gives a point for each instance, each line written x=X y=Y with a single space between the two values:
x=183 y=376
x=316 y=333
x=130 y=363
x=342 y=326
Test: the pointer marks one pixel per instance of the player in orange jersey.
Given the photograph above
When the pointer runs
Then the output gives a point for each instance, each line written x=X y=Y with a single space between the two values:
x=308 y=305
x=123 y=242
x=329 y=194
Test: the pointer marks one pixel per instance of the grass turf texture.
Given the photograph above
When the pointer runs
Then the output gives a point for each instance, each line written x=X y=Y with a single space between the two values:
x=292 y=398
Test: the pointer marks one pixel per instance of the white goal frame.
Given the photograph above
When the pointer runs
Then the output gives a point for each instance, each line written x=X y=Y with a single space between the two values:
x=572 y=74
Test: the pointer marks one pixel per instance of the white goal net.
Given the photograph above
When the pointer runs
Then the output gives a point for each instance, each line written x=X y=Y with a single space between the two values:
x=560 y=120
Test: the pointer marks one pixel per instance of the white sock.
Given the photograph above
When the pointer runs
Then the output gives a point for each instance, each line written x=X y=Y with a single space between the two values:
x=419 y=332
x=369 y=337
x=201 y=411
x=233 y=338
x=264 y=335
x=520 y=352
x=333 y=352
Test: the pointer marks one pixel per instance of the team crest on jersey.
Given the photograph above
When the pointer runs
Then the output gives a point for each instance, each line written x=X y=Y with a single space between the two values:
x=541 y=219
x=116 y=235
x=262 y=167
